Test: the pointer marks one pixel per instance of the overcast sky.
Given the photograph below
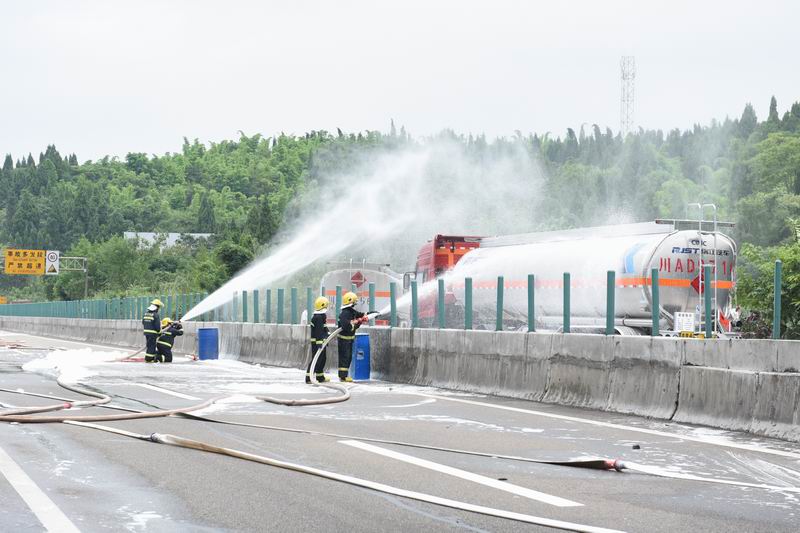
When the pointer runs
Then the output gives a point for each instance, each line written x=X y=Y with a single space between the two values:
x=103 y=77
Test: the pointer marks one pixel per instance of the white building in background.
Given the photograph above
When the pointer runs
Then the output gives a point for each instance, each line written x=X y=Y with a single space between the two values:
x=148 y=238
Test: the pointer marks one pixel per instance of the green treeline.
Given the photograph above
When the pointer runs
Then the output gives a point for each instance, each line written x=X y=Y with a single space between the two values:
x=244 y=191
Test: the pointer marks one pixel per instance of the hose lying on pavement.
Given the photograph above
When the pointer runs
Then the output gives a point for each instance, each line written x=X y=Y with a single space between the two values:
x=25 y=415
x=344 y=396
x=592 y=463
x=174 y=440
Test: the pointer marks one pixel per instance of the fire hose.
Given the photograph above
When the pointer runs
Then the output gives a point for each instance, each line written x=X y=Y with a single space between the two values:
x=173 y=440
x=345 y=393
x=101 y=400
x=24 y=415
x=591 y=463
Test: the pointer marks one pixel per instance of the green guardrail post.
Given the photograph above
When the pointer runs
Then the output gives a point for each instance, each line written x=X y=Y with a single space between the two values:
x=656 y=303
x=392 y=304
x=531 y=303
x=414 y=305
x=611 y=285
x=372 y=302
x=293 y=304
x=776 y=309
x=280 y=306
x=467 y=303
x=309 y=304
x=244 y=306
x=440 y=310
x=255 y=306
x=500 y=287
x=337 y=304
x=707 y=292
x=268 y=306
x=566 y=301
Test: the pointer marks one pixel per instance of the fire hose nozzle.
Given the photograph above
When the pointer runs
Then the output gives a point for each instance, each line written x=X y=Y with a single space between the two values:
x=617 y=465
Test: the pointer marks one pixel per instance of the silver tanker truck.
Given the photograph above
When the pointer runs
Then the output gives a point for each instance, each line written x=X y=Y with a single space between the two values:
x=678 y=249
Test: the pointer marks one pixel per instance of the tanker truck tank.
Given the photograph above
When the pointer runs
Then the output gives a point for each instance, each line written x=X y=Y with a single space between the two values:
x=356 y=276
x=631 y=251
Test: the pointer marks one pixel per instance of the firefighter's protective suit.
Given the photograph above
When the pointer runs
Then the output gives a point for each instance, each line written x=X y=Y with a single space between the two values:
x=166 y=340
x=152 y=328
x=319 y=332
x=349 y=321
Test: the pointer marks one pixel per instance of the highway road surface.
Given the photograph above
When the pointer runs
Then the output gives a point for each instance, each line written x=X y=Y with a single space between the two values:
x=343 y=468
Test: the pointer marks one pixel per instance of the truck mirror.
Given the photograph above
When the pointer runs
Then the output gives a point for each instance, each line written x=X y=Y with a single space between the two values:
x=407 y=277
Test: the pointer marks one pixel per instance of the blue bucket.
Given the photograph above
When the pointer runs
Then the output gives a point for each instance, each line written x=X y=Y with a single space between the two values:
x=360 y=365
x=208 y=343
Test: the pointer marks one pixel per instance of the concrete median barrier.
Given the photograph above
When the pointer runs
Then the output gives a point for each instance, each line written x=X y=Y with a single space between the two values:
x=579 y=370
x=777 y=409
x=717 y=397
x=748 y=385
x=645 y=376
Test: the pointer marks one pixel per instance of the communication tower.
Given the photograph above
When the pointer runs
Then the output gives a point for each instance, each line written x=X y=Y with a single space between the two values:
x=628 y=71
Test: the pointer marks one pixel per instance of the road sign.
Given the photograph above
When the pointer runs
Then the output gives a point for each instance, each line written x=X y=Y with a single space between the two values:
x=26 y=262
x=52 y=262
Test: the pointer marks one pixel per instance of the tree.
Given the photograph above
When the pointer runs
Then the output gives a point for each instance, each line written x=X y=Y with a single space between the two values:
x=773 y=111
x=260 y=222
x=24 y=225
x=777 y=163
x=233 y=256
x=206 y=220
x=8 y=164
x=748 y=121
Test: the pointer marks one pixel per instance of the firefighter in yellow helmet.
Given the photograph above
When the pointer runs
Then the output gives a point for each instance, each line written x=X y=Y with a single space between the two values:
x=319 y=332
x=349 y=321
x=152 y=329
x=169 y=330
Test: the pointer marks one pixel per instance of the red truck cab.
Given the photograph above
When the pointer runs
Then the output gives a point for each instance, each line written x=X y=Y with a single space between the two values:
x=435 y=258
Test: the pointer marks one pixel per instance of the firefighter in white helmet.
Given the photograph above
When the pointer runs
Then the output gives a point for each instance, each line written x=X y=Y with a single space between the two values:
x=349 y=321
x=319 y=332
x=151 y=323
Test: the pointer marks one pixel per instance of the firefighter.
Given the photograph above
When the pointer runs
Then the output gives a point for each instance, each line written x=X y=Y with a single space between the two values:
x=319 y=332
x=169 y=330
x=349 y=321
x=152 y=328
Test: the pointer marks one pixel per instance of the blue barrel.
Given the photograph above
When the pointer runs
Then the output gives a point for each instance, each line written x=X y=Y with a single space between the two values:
x=208 y=343
x=360 y=366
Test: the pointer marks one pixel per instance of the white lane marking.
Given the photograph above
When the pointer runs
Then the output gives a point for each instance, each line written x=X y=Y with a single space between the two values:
x=463 y=474
x=167 y=391
x=423 y=402
x=748 y=447
x=43 y=507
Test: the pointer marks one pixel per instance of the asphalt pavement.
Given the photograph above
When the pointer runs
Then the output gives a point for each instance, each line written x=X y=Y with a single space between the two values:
x=65 y=477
